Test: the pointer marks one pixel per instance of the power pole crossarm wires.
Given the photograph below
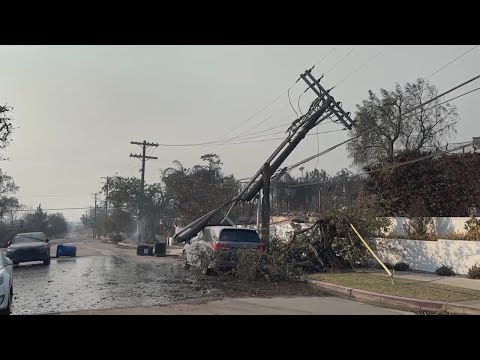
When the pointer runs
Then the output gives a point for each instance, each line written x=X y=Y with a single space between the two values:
x=144 y=157
x=325 y=103
x=322 y=108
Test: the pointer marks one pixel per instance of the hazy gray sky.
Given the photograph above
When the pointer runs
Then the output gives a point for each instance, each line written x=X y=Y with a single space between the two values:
x=78 y=107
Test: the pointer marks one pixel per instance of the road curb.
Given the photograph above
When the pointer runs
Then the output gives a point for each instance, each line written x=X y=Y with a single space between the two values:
x=392 y=301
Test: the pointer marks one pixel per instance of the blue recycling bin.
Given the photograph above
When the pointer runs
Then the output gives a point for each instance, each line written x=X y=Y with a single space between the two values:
x=66 y=250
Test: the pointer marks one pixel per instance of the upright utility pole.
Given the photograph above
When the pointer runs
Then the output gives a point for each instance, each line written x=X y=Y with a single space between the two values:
x=95 y=218
x=259 y=210
x=106 y=203
x=265 y=230
x=144 y=157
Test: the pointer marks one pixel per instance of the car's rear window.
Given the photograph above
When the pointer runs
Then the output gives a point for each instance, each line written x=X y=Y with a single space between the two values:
x=234 y=235
x=22 y=239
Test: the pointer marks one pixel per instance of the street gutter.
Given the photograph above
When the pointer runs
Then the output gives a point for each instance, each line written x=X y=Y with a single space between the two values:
x=394 y=302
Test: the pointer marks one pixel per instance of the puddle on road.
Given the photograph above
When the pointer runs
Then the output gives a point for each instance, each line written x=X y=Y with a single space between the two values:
x=106 y=281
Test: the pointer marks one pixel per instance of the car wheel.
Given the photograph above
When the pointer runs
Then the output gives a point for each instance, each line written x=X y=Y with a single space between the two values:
x=46 y=262
x=185 y=263
x=15 y=265
x=8 y=309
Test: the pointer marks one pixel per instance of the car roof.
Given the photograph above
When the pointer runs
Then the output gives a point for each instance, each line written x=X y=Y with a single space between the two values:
x=33 y=234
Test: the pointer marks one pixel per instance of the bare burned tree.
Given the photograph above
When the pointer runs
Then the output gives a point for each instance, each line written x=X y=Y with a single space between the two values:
x=420 y=130
x=6 y=127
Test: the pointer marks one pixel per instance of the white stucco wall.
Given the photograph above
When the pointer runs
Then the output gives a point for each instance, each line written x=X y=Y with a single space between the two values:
x=420 y=255
x=429 y=255
x=441 y=225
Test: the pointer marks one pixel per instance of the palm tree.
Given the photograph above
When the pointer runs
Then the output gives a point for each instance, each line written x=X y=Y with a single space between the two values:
x=177 y=168
x=301 y=169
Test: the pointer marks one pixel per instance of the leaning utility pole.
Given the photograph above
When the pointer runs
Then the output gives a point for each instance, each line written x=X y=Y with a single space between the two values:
x=144 y=157
x=323 y=107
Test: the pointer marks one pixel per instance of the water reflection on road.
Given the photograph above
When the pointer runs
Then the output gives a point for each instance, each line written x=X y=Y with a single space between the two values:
x=97 y=282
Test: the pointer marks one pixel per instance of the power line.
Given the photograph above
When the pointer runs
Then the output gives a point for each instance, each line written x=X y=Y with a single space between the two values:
x=72 y=208
x=281 y=138
x=290 y=101
x=323 y=58
x=451 y=62
x=341 y=59
x=358 y=69
x=291 y=167
x=393 y=166
x=298 y=103
x=281 y=125
x=79 y=208
x=456 y=97
x=418 y=159
x=245 y=138
x=252 y=116
x=286 y=91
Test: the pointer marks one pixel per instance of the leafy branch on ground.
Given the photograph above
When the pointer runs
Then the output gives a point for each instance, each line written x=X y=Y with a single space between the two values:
x=401 y=266
x=324 y=245
x=472 y=226
x=474 y=272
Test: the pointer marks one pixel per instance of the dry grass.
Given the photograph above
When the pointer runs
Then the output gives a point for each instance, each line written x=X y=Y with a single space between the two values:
x=403 y=287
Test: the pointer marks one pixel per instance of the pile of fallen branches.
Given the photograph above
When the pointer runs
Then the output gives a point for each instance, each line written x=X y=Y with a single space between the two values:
x=328 y=244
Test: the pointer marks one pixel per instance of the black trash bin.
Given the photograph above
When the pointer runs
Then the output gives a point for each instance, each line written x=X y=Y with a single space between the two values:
x=160 y=249
x=144 y=250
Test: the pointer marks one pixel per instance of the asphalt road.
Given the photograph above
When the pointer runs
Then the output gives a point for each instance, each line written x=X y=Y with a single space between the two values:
x=306 y=305
x=104 y=276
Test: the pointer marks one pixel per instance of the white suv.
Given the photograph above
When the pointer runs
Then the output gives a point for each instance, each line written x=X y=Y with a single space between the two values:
x=212 y=240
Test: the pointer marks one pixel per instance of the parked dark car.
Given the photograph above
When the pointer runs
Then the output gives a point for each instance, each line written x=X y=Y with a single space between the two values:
x=28 y=247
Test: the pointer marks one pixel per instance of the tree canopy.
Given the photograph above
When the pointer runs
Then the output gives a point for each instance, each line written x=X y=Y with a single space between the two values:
x=420 y=130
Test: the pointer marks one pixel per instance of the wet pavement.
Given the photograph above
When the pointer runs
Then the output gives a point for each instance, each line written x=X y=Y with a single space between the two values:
x=113 y=281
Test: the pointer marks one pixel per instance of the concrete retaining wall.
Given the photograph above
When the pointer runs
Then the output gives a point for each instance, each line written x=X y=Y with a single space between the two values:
x=441 y=225
x=429 y=255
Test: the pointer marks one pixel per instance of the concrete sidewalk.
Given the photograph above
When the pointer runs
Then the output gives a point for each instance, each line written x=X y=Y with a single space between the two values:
x=459 y=281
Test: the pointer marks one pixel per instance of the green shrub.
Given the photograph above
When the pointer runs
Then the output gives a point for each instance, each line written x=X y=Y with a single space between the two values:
x=401 y=266
x=386 y=263
x=454 y=235
x=444 y=270
x=116 y=237
x=474 y=272
x=472 y=226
